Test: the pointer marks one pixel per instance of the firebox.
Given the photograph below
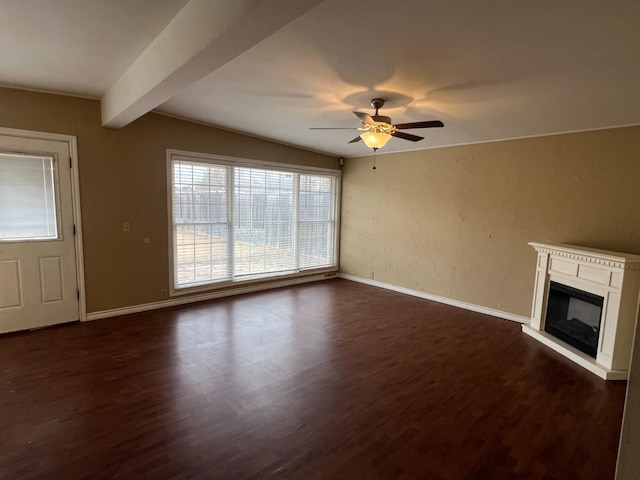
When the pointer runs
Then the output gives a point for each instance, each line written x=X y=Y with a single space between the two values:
x=573 y=316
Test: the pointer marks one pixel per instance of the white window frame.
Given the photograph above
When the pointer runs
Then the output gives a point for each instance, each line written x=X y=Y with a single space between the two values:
x=56 y=197
x=178 y=155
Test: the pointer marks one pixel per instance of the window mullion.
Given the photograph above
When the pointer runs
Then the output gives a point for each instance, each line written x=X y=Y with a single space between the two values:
x=333 y=222
x=296 y=213
x=231 y=222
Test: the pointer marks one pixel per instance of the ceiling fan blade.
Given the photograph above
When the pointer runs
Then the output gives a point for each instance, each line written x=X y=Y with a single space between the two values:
x=429 y=124
x=407 y=136
x=365 y=117
x=332 y=128
x=355 y=140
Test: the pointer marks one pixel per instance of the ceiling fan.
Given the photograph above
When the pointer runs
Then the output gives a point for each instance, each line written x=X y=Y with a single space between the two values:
x=378 y=129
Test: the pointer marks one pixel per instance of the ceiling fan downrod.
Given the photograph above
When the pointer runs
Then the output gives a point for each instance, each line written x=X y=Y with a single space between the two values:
x=378 y=103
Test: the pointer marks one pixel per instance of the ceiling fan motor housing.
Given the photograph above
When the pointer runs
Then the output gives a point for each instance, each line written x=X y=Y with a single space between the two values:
x=377 y=103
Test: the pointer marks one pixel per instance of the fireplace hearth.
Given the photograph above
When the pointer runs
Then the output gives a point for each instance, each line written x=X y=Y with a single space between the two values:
x=585 y=306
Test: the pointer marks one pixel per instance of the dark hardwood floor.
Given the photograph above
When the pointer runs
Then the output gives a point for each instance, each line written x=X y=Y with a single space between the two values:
x=332 y=380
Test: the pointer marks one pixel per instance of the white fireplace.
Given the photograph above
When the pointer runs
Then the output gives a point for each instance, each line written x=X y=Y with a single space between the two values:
x=613 y=279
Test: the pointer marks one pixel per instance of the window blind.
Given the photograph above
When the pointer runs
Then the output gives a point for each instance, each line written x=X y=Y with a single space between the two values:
x=27 y=198
x=237 y=222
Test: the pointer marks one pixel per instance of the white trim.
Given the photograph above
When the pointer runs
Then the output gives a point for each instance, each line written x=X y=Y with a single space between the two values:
x=507 y=139
x=248 y=162
x=496 y=140
x=225 y=285
x=75 y=193
x=72 y=143
x=436 y=298
x=170 y=226
x=207 y=296
x=598 y=256
x=245 y=134
x=50 y=92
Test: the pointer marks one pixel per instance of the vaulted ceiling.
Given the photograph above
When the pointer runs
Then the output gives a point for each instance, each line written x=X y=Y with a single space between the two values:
x=489 y=70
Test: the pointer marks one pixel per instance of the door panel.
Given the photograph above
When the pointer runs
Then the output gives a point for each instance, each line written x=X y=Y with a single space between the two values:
x=38 y=282
x=10 y=284
x=51 y=279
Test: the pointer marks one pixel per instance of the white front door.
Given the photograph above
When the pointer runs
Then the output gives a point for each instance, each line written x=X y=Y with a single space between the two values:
x=38 y=278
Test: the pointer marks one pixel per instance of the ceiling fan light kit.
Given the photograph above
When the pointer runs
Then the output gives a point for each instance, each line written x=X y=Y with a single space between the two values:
x=378 y=129
x=375 y=139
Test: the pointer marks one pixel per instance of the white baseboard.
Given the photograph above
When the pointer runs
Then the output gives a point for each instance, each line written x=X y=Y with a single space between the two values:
x=172 y=302
x=436 y=298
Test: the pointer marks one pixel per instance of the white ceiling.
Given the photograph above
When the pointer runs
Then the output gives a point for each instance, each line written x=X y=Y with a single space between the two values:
x=489 y=70
x=77 y=47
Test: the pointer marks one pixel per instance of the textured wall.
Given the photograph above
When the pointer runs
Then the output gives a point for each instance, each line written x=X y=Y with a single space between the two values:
x=455 y=222
x=123 y=178
x=628 y=458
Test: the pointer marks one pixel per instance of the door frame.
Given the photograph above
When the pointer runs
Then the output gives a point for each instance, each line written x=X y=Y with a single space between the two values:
x=72 y=143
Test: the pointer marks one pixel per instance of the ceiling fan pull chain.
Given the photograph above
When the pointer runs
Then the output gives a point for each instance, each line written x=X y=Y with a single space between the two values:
x=374 y=158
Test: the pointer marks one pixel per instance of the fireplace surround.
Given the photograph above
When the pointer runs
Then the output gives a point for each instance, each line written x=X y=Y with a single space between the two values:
x=586 y=274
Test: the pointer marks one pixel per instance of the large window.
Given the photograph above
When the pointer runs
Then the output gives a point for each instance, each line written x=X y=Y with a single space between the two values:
x=239 y=220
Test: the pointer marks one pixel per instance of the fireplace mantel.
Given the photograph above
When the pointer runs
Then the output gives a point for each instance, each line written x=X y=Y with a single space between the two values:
x=615 y=276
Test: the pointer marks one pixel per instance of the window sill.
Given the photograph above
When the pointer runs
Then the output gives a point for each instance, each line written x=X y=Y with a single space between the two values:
x=255 y=284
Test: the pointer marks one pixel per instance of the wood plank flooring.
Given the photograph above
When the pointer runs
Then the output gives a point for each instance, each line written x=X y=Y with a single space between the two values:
x=331 y=380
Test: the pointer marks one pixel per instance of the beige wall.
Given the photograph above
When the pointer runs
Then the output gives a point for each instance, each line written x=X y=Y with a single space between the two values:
x=455 y=222
x=628 y=459
x=123 y=178
x=451 y=221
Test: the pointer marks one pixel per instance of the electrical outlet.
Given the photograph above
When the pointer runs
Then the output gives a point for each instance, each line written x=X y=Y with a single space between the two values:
x=126 y=226
x=164 y=293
